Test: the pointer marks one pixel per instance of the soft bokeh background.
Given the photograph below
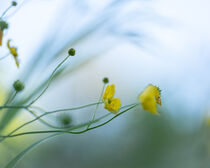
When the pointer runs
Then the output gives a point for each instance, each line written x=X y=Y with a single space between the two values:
x=134 y=43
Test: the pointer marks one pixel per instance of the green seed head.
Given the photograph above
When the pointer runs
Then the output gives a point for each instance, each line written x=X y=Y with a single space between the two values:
x=65 y=120
x=3 y=25
x=106 y=80
x=14 y=3
x=18 y=85
x=72 y=51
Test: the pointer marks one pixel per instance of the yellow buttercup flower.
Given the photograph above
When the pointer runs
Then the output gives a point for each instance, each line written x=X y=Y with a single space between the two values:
x=149 y=98
x=13 y=51
x=110 y=103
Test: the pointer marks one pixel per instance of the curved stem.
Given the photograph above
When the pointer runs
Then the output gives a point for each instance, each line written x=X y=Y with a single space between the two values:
x=47 y=123
x=20 y=5
x=10 y=99
x=94 y=114
x=13 y=107
x=69 y=131
x=4 y=57
x=49 y=80
x=72 y=128
x=47 y=113
x=114 y=117
x=6 y=11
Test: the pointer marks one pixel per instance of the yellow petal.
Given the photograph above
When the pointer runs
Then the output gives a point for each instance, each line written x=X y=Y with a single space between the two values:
x=113 y=105
x=16 y=62
x=148 y=103
x=149 y=97
x=8 y=44
x=13 y=51
x=109 y=92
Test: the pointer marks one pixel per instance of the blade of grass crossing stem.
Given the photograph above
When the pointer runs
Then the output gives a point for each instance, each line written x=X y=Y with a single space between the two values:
x=11 y=113
x=15 y=160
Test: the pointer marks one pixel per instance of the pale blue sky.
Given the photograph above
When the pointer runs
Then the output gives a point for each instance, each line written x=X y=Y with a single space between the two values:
x=172 y=50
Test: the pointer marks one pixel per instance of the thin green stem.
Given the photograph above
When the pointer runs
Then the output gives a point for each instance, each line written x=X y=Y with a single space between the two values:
x=55 y=111
x=11 y=98
x=114 y=117
x=20 y=5
x=47 y=113
x=72 y=128
x=49 y=80
x=4 y=57
x=94 y=114
x=13 y=107
x=68 y=109
x=128 y=105
x=69 y=131
x=6 y=11
x=45 y=122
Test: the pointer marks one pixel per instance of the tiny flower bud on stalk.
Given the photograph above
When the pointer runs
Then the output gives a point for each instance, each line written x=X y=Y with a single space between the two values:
x=18 y=86
x=106 y=80
x=72 y=52
x=14 y=3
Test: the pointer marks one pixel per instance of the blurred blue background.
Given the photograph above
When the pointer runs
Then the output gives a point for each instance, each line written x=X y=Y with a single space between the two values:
x=134 y=43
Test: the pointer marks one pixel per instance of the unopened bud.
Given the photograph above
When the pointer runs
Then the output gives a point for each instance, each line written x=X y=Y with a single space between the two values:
x=106 y=80
x=3 y=25
x=72 y=51
x=65 y=120
x=14 y=3
x=18 y=86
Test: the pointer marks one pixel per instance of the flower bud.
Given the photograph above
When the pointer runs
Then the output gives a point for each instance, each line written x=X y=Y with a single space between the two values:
x=3 y=25
x=65 y=120
x=106 y=80
x=72 y=52
x=18 y=85
x=14 y=3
